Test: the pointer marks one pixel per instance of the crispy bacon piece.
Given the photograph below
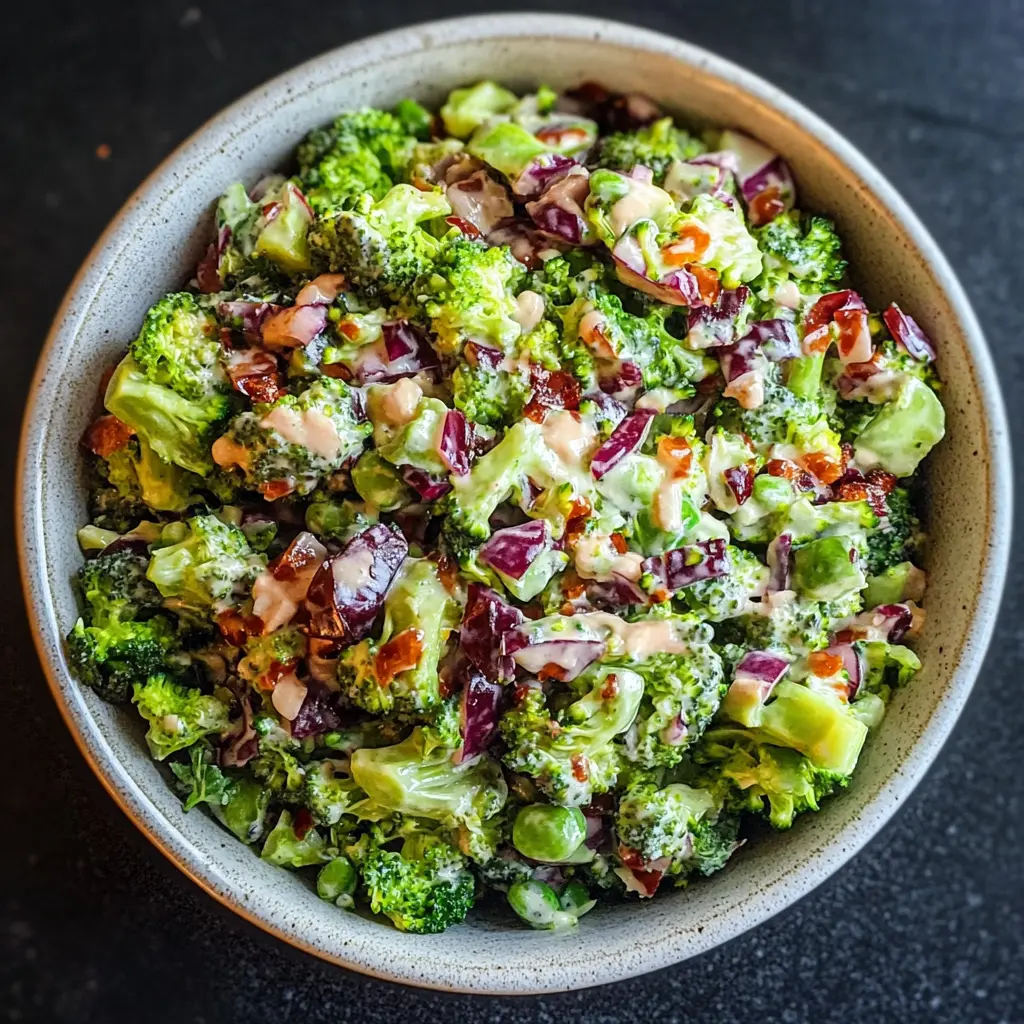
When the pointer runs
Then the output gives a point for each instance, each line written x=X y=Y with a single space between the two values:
x=399 y=654
x=823 y=664
x=766 y=206
x=254 y=373
x=107 y=435
x=552 y=389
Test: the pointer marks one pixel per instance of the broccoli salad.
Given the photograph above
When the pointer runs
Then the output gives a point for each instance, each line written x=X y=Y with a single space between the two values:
x=518 y=500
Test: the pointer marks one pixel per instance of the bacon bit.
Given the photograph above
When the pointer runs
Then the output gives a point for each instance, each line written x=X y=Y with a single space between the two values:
x=766 y=206
x=576 y=522
x=532 y=611
x=619 y=543
x=650 y=880
x=107 y=435
x=568 y=608
x=852 y=492
x=580 y=767
x=630 y=858
x=103 y=151
x=573 y=587
x=277 y=672
x=260 y=387
x=610 y=688
x=862 y=371
x=520 y=692
x=558 y=137
x=294 y=559
x=693 y=243
x=276 y=489
x=826 y=469
x=232 y=627
x=399 y=654
x=852 y=323
x=447 y=572
x=845 y=636
x=348 y=328
x=552 y=389
x=660 y=595
x=884 y=481
x=552 y=671
x=253 y=625
x=823 y=664
x=676 y=455
x=303 y=823
x=782 y=468
x=470 y=230
x=336 y=370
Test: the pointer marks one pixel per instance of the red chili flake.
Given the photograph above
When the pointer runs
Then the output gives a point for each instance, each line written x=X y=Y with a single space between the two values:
x=552 y=671
x=576 y=522
x=107 y=435
x=470 y=230
x=399 y=654
x=521 y=691
x=580 y=767
x=232 y=627
x=303 y=823
x=611 y=687
x=276 y=489
x=766 y=206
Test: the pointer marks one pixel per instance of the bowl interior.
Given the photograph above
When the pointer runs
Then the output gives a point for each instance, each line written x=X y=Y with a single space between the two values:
x=153 y=247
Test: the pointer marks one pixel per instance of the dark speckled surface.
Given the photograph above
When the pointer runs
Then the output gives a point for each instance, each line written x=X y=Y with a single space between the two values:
x=927 y=924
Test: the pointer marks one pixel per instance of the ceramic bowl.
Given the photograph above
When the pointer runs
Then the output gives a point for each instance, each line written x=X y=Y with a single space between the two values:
x=152 y=246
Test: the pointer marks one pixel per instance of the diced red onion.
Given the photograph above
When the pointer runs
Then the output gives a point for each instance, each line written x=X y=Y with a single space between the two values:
x=741 y=481
x=690 y=564
x=738 y=358
x=559 y=210
x=426 y=485
x=908 y=333
x=293 y=327
x=614 y=593
x=778 y=557
x=512 y=550
x=484 y=354
x=725 y=159
x=761 y=665
x=486 y=621
x=525 y=241
x=611 y=408
x=568 y=657
x=248 y=315
x=775 y=174
x=240 y=744
x=541 y=172
x=622 y=379
x=711 y=326
x=453 y=445
x=348 y=590
x=777 y=339
x=318 y=713
x=853 y=662
x=641 y=173
x=625 y=439
x=898 y=620
x=481 y=703
x=480 y=200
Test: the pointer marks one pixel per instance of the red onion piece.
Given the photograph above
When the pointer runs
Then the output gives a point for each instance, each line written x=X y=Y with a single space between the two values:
x=240 y=744
x=525 y=241
x=853 y=662
x=774 y=174
x=559 y=210
x=318 y=713
x=741 y=481
x=486 y=621
x=711 y=326
x=626 y=438
x=541 y=172
x=738 y=359
x=479 y=200
x=453 y=445
x=778 y=557
x=690 y=564
x=899 y=618
x=511 y=551
x=777 y=339
x=481 y=703
x=348 y=590
x=484 y=355
x=625 y=377
x=427 y=486
x=247 y=316
x=906 y=330
x=761 y=665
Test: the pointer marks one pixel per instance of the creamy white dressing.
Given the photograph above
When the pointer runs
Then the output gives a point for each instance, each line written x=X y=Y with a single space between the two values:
x=642 y=202
x=311 y=429
x=276 y=601
x=668 y=504
x=788 y=295
x=227 y=453
x=747 y=389
x=529 y=310
x=353 y=570
x=640 y=640
x=288 y=696
x=322 y=290
x=396 y=403
x=590 y=333
x=596 y=558
x=569 y=437
x=880 y=387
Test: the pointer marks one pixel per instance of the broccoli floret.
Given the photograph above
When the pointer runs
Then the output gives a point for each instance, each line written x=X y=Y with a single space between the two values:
x=276 y=763
x=467 y=109
x=379 y=246
x=282 y=648
x=178 y=715
x=472 y=296
x=655 y=146
x=418 y=615
x=424 y=889
x=266 y=443
x=490 y=397
x=286 y=847
x=681 y=694
x=362 y=151
x=727 y=596
x=898 y=536
x=115 y=499
x=199 y=780
x=658 y=822
x=414 y=778
x=114 y=657
x=331 y=519
x=798 y=625
x=114 y=588
x=179 y=348
x=561 y=280
x=808 y=248
x=570 y=753
x=209 y=569
x=776 y=781
x=330 y=792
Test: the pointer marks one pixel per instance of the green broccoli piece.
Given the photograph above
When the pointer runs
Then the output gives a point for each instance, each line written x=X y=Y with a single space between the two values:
x=413 y=778
x=114 y=657
x=363 y=151
x=472 y=296
x=179 y=348
x=199 y=780
x=276 y=764
x=466 y=109
x=334 y=519
x=658 y=822
x=807 y=248
x=681 y=694
x=115 y=589
x=714 y=842
x=329 y=792
x=797 y=626
x=272 y=437
x=570 y=754
x=142 y=479
x=898 y=535
x=209 y=569
x=379 y=246
x=654 y=146
x=281 y=648
x=286 y=848
x=490 y=397
x=423 y=889
x=178 y=715
x=727 y=596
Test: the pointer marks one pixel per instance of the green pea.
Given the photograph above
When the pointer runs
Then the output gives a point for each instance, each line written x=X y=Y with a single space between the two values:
x=245 y=810
x=337 y=882
x=575 y=899
x=537 y=904
x=548 y=833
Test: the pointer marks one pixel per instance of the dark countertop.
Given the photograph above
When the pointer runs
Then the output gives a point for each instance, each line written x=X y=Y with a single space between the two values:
x=926 y=924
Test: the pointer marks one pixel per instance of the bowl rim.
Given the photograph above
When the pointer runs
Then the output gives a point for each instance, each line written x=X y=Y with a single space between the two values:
x=409 y=40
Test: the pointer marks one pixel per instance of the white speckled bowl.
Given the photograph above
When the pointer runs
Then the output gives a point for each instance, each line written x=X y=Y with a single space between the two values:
x=152 y=246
